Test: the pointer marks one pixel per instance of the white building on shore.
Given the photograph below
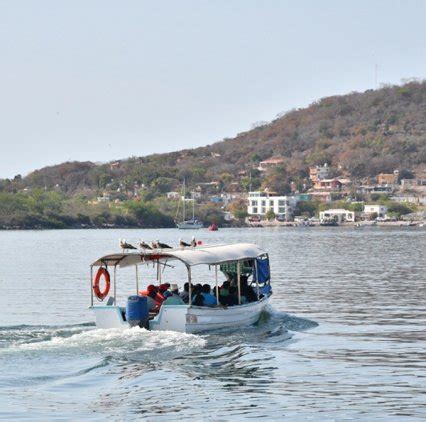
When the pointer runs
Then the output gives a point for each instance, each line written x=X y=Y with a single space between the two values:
x=259 y=203
x=379 y=210
x=340 y=215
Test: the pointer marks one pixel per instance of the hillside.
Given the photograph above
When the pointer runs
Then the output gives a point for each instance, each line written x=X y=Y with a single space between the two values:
x=365 y=133
x=359 y=135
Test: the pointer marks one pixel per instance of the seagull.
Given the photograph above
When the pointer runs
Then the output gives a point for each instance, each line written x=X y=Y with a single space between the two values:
x=124 y=245
x=183 y=244
x=193 y=242
x=163 y=245
x=144 y=245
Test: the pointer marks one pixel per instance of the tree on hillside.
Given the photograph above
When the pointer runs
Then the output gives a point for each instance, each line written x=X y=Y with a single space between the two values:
x=239 y=209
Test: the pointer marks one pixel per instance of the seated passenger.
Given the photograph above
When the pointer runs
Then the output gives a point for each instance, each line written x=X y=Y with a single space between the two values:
x=247 y=291
x=224 y=293
x=153 y=303
x=233 y=296
x=184 y=295
x=164 y=290
x=173 y=298
x=197 y=297
x=159 y=296
x=209 y=299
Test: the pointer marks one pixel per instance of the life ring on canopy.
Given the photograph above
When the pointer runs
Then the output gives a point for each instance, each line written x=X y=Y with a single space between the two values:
x=102 y=272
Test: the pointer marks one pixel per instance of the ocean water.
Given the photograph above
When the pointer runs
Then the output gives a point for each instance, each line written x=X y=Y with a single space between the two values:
x=344 y=338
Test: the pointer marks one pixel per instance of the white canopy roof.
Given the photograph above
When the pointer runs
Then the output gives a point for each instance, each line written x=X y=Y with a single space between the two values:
x=208 y=255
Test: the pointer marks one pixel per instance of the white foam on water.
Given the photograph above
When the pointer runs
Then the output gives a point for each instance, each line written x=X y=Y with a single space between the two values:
x=116 y=340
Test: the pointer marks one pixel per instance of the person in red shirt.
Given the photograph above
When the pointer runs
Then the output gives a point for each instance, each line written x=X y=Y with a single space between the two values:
x=155 y=298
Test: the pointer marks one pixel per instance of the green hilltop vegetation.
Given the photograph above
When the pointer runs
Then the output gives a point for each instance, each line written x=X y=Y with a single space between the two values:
x=359 y=135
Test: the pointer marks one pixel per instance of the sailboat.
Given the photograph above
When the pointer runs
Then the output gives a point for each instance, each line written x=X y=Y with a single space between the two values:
x=193 y=223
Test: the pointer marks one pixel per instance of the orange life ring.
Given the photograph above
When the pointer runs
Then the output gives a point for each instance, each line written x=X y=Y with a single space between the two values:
x=101 y=295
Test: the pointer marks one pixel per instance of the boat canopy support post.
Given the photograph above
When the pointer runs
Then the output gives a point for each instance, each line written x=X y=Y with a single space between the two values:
x=257 y=278
x=239 y=281
x=269 y=269
x=189 y=285
x=115 y=285
x=217 y=286
x=91 y=288
x=137 y=280
x=158 y=271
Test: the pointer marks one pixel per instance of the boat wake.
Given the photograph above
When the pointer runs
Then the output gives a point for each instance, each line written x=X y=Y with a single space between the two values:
x=27 y=334
x=137 y=344
x=105 y=342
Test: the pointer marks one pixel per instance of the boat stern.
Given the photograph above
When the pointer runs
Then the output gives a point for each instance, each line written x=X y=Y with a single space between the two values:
x=109 y=317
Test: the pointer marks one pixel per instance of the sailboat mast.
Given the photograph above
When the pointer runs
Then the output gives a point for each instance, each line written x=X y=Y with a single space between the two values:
x=193 y=208
x=183 y=198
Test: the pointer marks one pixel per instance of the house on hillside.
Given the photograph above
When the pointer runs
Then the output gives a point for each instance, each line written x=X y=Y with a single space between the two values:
x=321 y=196
x=319 y=172
x=418 y=199
x=388 y=179
x=104 y=198
x=270 y=163
x=328 y=184
x=173 y=195
x=375 y=189
x=208 y=187
x=413 y=183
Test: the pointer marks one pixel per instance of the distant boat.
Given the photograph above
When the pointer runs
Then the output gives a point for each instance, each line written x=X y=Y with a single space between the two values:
x=213 y=228
x=193 y=223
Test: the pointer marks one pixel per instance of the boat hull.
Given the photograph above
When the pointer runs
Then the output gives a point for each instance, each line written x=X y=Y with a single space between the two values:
x=196 y=319
x=188 y=319
x=189 y=226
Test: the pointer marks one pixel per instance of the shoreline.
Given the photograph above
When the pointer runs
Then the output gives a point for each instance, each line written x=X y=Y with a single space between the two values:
x=418 y=223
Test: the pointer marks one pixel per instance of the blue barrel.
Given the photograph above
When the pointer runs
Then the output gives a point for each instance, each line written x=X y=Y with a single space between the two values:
x=137 y=311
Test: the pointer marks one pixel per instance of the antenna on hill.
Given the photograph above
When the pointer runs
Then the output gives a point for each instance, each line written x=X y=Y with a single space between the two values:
x=376 y=71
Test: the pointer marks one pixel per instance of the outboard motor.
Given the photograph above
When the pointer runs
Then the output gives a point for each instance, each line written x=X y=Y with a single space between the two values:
x=137 y=312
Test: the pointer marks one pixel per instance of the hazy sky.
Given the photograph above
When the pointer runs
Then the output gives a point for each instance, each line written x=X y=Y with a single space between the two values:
x=100 y=80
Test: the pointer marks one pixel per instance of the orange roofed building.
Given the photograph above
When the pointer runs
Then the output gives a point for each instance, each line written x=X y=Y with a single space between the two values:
x=269 y=163
x=328 y=184
x=388 y=178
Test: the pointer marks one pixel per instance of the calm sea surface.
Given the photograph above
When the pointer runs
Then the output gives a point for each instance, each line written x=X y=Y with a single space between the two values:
x=345 y=337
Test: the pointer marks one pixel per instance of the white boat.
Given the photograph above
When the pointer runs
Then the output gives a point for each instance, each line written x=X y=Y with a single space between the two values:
x=190 y=224
x=237 y=260
x=184 y=224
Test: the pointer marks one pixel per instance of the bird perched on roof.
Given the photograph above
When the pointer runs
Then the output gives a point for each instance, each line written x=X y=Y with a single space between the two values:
x=193 y=242
x=124 y=245
x=183 y=244
x=163 y=245
x=144 y=245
